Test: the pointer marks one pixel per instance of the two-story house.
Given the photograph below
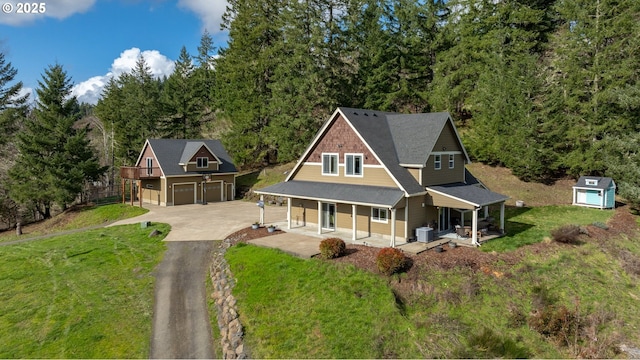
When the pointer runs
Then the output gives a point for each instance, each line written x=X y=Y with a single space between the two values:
x=370 y=172
x=182 y=171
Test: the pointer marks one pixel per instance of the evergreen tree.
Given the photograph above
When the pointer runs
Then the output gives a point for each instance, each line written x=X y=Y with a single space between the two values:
x=181 y=104
x=13 y=105
x=204 y=75
x=55 y=157
x=131 y=105
x=398 y=53
x=593 y=79
x=622 y=155
x=245 y=73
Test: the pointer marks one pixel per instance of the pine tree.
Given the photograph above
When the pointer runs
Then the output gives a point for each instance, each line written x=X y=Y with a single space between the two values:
x=245 y=73
x=131 y=106
x=13 y=104
x=181 y=105
x=55 y=157
x=593 y=79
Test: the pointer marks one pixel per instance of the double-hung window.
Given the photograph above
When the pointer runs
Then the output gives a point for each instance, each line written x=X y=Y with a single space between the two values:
x=329 y=164
x=353 y=164
x=437 y=162
x=379 y=215
x=149 y=166
x=451 y=161
x=202 y=162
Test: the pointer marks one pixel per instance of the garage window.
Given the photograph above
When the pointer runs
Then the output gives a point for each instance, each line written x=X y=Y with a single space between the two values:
x=202 y=162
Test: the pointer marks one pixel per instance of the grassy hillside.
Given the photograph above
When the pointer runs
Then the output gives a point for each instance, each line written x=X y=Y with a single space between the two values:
x=75 y=218
x=83 y=295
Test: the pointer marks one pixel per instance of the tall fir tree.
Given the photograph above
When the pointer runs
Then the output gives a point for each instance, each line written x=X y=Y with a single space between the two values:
x=593 y=79
x=181 y=106
x=13 y=103
x=131 y=106
x=245 y=73
x=55 y=157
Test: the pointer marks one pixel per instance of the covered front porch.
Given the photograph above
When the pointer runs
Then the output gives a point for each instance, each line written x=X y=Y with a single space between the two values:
x=466 y=202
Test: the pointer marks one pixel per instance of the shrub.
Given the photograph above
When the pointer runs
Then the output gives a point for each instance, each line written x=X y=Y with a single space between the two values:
x=556 y=322
x=390 y=260
x=567 y=234
x=332 y=248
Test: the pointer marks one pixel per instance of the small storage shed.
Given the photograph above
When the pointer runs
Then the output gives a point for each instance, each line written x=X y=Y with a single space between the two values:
x=594 y=191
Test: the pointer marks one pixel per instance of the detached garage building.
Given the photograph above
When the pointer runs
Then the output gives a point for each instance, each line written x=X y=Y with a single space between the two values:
x=181 y=171
x=594 y=191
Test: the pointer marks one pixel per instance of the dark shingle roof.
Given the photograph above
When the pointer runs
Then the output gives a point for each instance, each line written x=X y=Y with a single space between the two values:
x=603 y=182
x=366 y=195
x=471 y=193
x=169 y=153
x=415 y=135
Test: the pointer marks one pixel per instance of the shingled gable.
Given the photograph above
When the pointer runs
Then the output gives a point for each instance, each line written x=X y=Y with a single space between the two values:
x=191 y=148
x=373 y=130
x=169 y=154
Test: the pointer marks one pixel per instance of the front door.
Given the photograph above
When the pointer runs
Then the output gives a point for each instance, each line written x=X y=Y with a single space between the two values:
x=328 y=216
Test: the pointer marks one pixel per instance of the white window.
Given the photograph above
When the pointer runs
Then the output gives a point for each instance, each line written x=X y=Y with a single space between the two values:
x=329 y=164
x=451 y=161
x=437 y=162
x=379 y=215
x=591 y=182
x=353 y=164
x=149 y=166
x=202 y=162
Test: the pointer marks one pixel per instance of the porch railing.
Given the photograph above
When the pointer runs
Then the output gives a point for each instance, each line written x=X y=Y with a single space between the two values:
x=137 y=173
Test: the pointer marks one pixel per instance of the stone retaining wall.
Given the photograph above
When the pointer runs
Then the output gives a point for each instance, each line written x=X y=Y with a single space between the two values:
x=231 y=330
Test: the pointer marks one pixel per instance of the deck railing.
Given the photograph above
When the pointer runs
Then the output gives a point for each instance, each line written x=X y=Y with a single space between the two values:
x=137 y=173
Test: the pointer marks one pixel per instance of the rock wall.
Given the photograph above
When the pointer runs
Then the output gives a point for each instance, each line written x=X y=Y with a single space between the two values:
x=231 y=330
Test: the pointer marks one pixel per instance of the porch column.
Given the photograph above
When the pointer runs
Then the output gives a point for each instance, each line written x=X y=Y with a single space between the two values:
x=393 y=227
x=319 y=218
x=354 y=221
x=288 y=213
x=474 y=228
x=502 y=217
x=486 y=212
x=140 y=192
x=462 y=218
x=262 y=210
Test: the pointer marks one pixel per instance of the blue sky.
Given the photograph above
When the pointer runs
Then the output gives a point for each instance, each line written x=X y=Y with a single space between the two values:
x=96 y=39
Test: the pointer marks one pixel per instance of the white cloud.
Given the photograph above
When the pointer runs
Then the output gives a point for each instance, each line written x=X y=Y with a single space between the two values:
x=209 y=11
x=17 y=13
x=90 y=91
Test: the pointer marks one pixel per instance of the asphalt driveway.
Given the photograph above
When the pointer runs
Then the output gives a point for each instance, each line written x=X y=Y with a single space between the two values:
x=181 y=327
x=214 y=221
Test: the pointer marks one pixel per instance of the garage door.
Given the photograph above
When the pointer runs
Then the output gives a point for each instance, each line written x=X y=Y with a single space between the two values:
x=183 y=194
x=214 y=192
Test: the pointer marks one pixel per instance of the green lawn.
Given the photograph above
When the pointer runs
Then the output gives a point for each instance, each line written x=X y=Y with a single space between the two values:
x=531 y=225
x=294 y=308
x=84 y=295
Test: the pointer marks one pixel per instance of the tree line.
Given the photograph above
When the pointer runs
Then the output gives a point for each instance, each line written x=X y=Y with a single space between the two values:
x=548 y=88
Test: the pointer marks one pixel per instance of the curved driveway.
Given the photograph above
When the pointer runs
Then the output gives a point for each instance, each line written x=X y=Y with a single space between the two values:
x=181 y=328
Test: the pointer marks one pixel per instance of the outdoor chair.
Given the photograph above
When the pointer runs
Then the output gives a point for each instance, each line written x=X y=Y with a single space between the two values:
x=461 y=232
